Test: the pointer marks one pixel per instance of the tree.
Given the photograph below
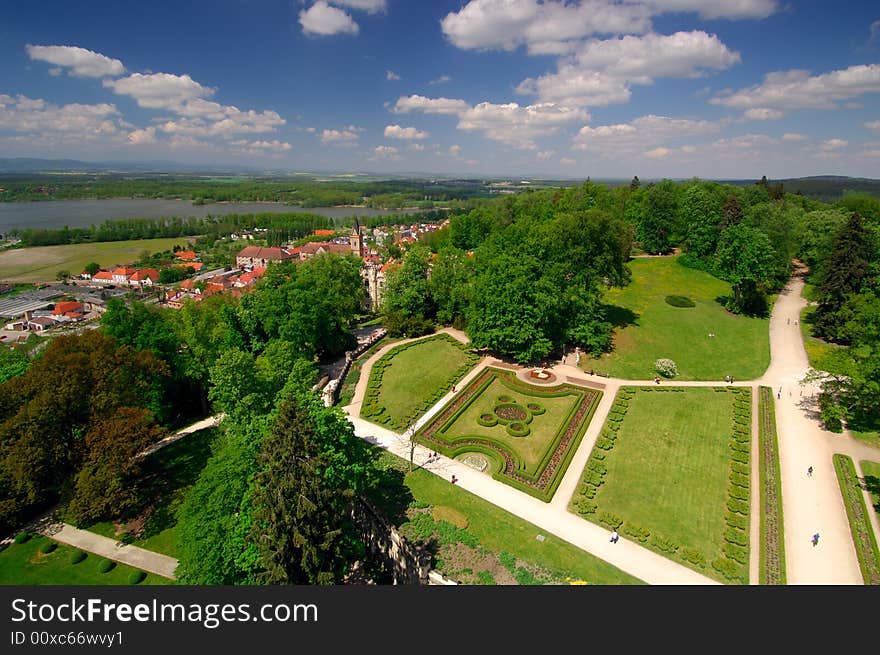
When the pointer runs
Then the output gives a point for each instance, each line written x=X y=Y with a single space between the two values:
x=659 y=218
x=312 y=471
x=731 y=213
x=745 y=258
x=701 y=216
x=849 y=265
x=634 y=184
x=406 y=287
x=92 y=268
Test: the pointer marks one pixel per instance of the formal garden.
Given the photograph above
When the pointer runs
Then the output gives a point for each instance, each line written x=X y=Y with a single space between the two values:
x=410 y=378
x=38 y=560
x=670 y=470
x=772 y=559
x=526 y=435
x=859 y=521
x=674 y=312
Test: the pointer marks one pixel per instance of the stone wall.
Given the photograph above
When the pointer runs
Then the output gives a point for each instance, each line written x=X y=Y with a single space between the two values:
x=330 y=391
x=408 y=563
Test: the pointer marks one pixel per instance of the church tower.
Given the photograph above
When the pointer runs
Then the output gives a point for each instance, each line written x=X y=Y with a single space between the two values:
x=356 y=240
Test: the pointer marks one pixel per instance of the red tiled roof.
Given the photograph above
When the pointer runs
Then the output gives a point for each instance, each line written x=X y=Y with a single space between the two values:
x=187 y=284
x=145 y=273
x=258 y=252
x=65 y=307
x=74 y=315
x=127 y=271
x=186 y=254
x=196 y=266
x=324 y=233
x=313 y=247
x=103 y=275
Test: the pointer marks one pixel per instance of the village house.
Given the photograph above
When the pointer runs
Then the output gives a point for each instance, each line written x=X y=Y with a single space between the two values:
x=145 y=277
x=122 y=274
x=260 y=257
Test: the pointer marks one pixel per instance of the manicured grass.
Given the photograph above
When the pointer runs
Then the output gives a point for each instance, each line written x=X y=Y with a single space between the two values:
x=772 y=560
x=500 y=531
x=871 y=471
x=662 y=468
x=42 y=263
x=649 y=328
x=870 y=437
x=346 y=391
x=24 y=564
x=859 y=524
x=817 y=349
x=174 y=469
x=533 y=462
x=412 y=376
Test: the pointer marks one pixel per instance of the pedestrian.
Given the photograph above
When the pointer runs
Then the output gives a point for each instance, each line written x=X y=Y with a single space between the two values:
x=656 y=380
x=810 y=472
x=778 y=394
x=453 y=388
x=795 y=321
x=788 y=321
x=816 y=539
x=454 y=479
x=614 y=537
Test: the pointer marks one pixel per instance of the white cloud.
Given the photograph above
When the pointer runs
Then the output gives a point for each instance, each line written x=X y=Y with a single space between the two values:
x=398 y=132
x=55 y=72
x=763 y=114
x=568 y=161
x=274 y=148
x=657 y=153
x=370 y=6
x=160 y=90
x=384 y=152
x=454 y=150
x=644 y=133
x=142 y=137
x=324 y=20
x=833 y=144
x=545 y=154
x=874 y=126
x=81 y=62
x=794 y=136
x=429 y=105
x=797 y=89
x=417 y=147
x=391 y=75
x=344 y=137
x=38 y=119
x=443 y=79
x=550 y=27
x=601 y=71
x=233 y=121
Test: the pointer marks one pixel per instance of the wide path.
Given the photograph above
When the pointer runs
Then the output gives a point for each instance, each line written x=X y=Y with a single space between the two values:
x=811 y=504
x=147 y=560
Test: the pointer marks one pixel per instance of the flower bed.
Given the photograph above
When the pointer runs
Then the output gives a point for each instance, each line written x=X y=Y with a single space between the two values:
x=772 y=567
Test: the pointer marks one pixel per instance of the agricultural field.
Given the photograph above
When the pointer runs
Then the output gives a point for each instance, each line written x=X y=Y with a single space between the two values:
x=670 y=311
x=42 y=263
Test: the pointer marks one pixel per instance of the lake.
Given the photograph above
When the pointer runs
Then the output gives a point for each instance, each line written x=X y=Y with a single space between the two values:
x=55 y=214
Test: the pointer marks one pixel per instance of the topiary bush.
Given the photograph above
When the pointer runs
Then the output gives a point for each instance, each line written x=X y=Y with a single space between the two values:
x=666 y=367
x=48 y=547
x=106 y=566
x=136 y=577
x=518 y=430
x=77 y=556
x=22 y=537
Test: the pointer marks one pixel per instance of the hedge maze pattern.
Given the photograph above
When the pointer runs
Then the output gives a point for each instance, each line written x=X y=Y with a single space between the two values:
x=371 y=408
x=541 y=483
x=772 y=567
x=859 y=523
x=733 y=563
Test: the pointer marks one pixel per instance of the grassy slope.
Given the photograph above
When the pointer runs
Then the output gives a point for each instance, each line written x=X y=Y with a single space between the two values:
x=176 y=468
x=543 y=427
x=23 y=564
x=42 y=263
x=415 y=373
x=741 y=346
x=668 y=470
x=498 y=530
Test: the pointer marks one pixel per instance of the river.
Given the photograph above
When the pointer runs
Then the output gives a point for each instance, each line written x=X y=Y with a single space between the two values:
x=55 y=214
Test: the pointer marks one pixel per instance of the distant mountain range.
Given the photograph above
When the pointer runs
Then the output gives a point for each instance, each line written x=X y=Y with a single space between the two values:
x=36 y=165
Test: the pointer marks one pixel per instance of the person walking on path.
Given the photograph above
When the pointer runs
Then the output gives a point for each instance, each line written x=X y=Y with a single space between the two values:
x=614 y=537
x=810 y=472
x=454 y=479
x=816 y=539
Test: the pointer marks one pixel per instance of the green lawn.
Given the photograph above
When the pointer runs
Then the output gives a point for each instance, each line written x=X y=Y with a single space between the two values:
x=648 y=328
x=23 y=564
x=500 y=531
x=42 y=263
x=871 y=471
x=409 y=378
x=533 y=462
x=666 y=471
x=870 y=437
x=173 y=470
x=817 y=349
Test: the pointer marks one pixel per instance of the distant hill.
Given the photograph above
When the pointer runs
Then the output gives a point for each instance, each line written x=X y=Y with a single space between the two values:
x=828 y=188
x=36 y=165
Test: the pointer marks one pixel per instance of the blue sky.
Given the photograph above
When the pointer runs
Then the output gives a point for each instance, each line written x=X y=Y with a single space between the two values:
x=576 y=88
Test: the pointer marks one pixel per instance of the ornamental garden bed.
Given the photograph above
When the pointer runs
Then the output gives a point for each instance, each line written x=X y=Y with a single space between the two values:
x=527 y=433
x=772 y=568
x=410 y=378
x=859 y=523
x=670 y=470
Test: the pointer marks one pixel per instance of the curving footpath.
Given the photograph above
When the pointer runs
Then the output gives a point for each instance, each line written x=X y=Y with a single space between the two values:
x=811 y=504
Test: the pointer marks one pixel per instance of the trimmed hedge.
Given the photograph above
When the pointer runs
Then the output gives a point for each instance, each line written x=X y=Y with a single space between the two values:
x=106 y=566
x=859 y=523
x=48 y=547
x=22 y=537
x=77 y=556
x=136 y=577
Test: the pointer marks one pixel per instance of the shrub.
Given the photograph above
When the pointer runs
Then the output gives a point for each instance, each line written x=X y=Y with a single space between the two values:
x=680 y=301
x=536 y=409
x=737 y=521
x=636 y=532
x=591 y=477
x=587 y=507
x=739 y=480
x=738 y=506
x=611 y=520
x=136 y=577
x=727 y=567
x=664 y=544
x=106 y=566
x=518 y=430
x=741 y=457
x=524 y=577
x=597 y=466
x=666 y=368
x=507 y=560
x=77 y=556
x=487 y=420
x=695 y=557
x=485 y=578
x=22 y=537
x=48 y=547
x=740 y=468
x=737 y=553
x=737 y=492
x=590 y=491
x=605 y=444
x=737 y=537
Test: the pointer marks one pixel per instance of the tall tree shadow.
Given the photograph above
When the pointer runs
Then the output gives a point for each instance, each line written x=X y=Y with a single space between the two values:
x=619 y=317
